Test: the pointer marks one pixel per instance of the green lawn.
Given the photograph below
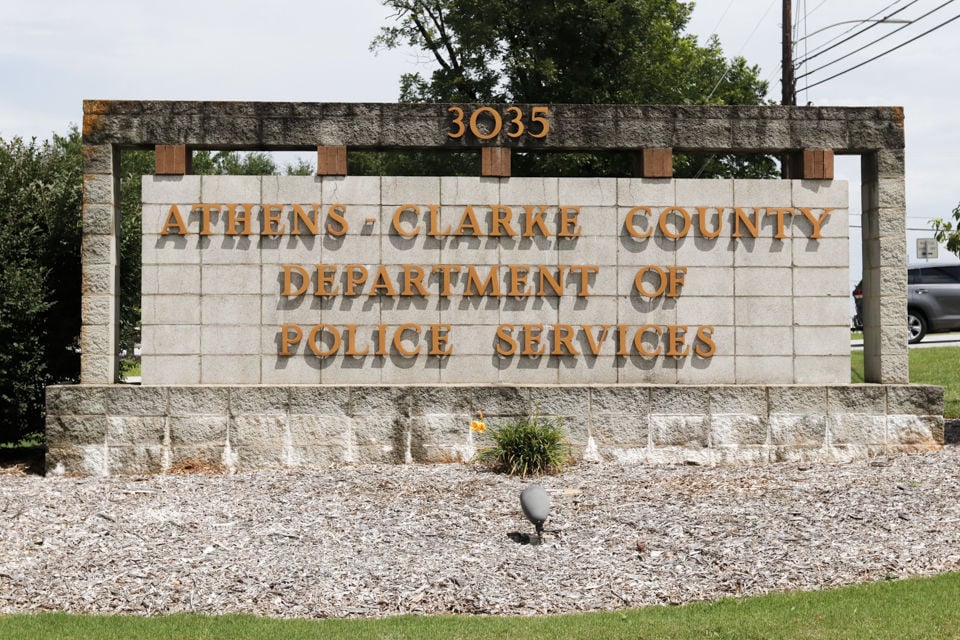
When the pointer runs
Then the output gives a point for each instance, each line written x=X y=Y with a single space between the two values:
x=936 y=365
x=909 y=609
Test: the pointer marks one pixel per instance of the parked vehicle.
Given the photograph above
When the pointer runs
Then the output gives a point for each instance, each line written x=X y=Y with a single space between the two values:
x=933 y=300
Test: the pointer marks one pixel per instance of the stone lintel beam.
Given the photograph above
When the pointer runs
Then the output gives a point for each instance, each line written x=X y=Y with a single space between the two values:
x=275 y=126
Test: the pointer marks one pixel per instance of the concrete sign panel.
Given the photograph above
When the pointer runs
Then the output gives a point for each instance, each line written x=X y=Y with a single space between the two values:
x=342 y=280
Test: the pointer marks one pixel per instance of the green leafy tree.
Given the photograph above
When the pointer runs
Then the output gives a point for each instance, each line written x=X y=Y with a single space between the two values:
x=570 y=51
x=948 y=232
x=40 y=227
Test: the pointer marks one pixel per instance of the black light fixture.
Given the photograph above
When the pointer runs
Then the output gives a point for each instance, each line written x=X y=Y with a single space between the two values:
x=536 y=506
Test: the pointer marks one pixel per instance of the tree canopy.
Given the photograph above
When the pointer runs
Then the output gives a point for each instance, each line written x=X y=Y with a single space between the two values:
x=40 y=193
x=573 y=51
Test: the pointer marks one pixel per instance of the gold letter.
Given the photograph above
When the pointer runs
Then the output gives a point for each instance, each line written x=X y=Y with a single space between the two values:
x=396 y=220
x=440 y=338
x=708 y=346
x=398 y=340
x=779 y=212
x=683 y=229
x=287 y=290
x=286 y=339
x=568 y=217
x=336 y=212
x=701 y=222
x=503 y=334
x=174 y=219
x=814 y=220
x=628 y=223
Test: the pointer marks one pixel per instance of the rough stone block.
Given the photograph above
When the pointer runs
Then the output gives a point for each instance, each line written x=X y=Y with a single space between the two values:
x=136 y=430
x=76 y=430
x=258 y=431
x=797 y=430
x=691 y=431
x=381 y=431
x=197 y=400
x=914 y=430
x=797 y=399
x=206 y=456
x=852 y=399
x=96 y=339
x=84 y=400
x=385 y=453
x=97 y=369
x=620 y=431
x=196 y=430
x=99 y=219
x=921 y=400
x=318 y=456
x=98 y=189
x=737 y=430
x=741 y=455
x=321 y=401
x=740 y=399
x=619 y=400
x=84 y=460
x=134 y=460
x=667 y=400
x=261 y=457
x=319 y=430
x=98 y=158
x=857 y=429
x=559 y=401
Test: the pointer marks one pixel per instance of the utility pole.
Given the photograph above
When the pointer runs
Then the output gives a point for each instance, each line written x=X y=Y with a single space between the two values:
x=789 y=97
x=787 y=81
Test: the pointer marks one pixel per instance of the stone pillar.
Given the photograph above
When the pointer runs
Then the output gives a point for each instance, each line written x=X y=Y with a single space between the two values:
x=883 y=227
x=99 y=311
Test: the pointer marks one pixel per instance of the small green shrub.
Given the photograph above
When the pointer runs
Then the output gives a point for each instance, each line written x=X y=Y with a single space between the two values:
x=527 y=446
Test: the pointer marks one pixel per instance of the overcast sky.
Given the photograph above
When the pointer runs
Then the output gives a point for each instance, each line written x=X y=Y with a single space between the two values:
x=55 y=53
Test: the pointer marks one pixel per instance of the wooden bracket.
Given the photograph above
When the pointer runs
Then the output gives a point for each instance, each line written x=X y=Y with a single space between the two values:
x=817 y=164
x=657 y=163
x=495 y=162
x=332 y=161
x=172 y=160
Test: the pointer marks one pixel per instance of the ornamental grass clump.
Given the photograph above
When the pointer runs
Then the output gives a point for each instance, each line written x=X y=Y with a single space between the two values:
x=526 y=446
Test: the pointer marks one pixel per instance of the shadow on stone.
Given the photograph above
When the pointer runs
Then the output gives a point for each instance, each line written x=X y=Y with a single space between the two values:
x=951 y=432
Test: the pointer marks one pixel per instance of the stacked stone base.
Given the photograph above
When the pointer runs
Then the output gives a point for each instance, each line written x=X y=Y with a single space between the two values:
x=125 y=429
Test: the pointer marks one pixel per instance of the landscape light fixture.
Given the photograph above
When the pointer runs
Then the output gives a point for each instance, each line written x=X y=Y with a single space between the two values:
x=536 y=506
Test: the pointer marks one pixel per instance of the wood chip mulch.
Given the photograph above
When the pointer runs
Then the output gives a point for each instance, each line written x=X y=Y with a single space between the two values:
x=385 y=540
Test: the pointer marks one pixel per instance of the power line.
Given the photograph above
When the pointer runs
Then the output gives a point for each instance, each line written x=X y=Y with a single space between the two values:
x=883 y=37
x=857 y=26
x=903 y=44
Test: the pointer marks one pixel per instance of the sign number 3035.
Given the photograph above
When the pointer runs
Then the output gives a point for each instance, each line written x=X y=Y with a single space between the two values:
x=535 y=125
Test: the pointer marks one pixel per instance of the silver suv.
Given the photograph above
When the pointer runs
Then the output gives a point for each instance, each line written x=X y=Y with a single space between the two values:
x=933 y=300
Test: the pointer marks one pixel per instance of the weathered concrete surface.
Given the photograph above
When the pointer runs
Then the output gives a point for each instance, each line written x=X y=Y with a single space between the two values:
x=573 y=127
x=118 y=429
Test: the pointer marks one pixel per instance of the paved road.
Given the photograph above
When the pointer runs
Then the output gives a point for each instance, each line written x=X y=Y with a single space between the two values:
x=931 y=340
